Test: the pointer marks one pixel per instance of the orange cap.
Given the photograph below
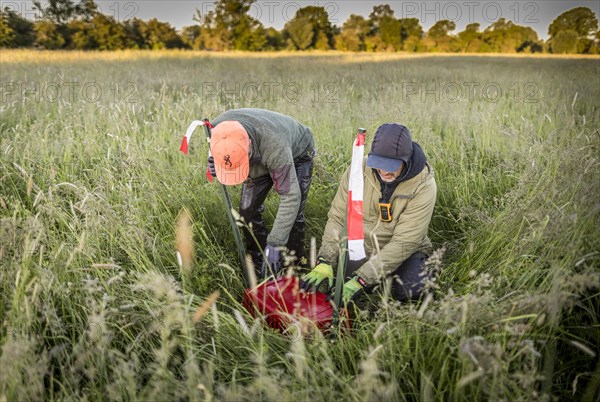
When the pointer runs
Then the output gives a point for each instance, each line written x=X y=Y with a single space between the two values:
x=230 y=145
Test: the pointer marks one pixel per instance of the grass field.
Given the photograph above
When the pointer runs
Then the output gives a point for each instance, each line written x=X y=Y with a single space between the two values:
x=94 y=305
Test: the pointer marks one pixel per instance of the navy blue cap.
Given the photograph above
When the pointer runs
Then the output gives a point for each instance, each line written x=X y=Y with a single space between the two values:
x=392 y=146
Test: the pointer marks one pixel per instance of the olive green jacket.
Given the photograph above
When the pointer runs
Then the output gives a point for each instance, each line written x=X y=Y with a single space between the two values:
x=387 y=244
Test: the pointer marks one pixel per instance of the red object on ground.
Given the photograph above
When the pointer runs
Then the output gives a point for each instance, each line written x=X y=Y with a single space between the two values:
x=282 y=304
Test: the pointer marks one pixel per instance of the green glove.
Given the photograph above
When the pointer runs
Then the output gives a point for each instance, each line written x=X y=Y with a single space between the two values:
x=322 y=272
x=351 y=289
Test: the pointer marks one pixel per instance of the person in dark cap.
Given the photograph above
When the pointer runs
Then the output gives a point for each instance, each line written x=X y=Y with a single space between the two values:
x=398 y=201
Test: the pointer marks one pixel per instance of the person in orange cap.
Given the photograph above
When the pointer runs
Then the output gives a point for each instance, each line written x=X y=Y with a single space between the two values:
x=262 y=149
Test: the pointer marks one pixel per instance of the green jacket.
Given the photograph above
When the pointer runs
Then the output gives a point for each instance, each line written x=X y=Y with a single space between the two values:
x=277 y=141
x=387 y=244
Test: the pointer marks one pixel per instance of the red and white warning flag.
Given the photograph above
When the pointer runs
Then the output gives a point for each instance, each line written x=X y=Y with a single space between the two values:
x=188 y=134
x=356 y=238
x=186 y=142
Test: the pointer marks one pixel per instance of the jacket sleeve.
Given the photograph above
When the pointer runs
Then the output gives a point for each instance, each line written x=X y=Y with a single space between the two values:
x=335 y=228
x=285 y=183
x=410 y=230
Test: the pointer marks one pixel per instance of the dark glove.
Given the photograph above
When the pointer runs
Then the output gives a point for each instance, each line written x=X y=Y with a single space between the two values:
x=271 y=261
x=321 y=273
x=211 y=166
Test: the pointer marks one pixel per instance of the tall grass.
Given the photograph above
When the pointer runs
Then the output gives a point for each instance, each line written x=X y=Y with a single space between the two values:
x=93 y=301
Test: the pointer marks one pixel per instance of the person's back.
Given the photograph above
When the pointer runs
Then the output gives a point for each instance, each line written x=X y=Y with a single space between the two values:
x=270 y=132
x=278 y=152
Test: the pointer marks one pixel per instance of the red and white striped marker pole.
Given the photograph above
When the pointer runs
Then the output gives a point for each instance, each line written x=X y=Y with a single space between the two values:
x=236 y=231
x=186 y=141
x=188 y=135
x=356 y=240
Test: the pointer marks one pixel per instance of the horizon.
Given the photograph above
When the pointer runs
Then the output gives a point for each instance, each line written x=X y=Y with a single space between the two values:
x=535 y=14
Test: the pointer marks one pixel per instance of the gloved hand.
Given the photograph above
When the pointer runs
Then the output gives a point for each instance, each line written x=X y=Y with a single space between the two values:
x=352 y=288
x=211 y=166
x=322 y=272
x=271 y=261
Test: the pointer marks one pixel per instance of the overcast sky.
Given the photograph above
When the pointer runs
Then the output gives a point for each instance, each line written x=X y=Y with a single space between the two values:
x=179 y=13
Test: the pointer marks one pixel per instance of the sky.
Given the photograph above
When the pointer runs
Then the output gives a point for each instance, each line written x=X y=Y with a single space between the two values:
x=179 y=13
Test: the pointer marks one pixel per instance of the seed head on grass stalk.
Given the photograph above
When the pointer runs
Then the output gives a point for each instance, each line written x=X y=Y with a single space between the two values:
x=372 y=383
x=203 y=309
x=184 y=242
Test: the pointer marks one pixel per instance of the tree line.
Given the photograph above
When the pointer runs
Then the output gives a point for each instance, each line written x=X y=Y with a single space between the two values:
x=66 y=24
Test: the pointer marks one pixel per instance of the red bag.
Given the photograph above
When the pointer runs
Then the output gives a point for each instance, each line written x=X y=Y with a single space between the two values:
x=282 y=304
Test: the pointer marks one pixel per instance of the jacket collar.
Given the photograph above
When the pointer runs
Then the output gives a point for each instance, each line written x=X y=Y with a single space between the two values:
x=405 y=188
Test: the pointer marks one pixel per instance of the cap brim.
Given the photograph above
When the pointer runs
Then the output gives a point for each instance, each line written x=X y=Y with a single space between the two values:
x=232 y=177
x=385 y=164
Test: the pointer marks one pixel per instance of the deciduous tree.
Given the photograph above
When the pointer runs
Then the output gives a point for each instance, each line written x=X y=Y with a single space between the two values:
x=470 y=39
x=15 y=31
x=310 y=29
x=565 y=41
x=507 y=37
x=353 y=34
x=48 y=35
x=580 y=23
x=228 y=26
x=438 y=37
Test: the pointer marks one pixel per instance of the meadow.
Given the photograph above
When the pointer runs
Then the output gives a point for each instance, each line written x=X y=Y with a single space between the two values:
x=95 y=306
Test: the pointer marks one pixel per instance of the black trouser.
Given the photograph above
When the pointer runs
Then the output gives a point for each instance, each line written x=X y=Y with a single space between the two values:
x=408 y=280
x=254 y=193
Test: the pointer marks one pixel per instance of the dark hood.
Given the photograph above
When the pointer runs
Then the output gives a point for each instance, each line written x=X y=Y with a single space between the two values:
x=415 y=165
